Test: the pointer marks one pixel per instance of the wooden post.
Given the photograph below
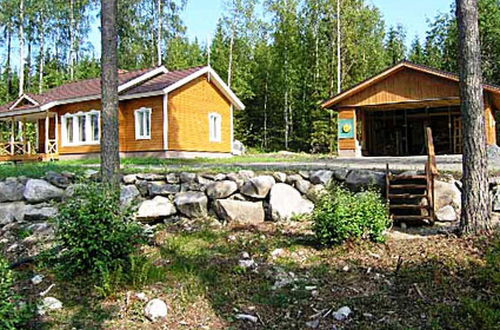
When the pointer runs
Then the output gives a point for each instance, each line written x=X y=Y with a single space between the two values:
x=56 y=133
x=12 y=137
x=47 y=122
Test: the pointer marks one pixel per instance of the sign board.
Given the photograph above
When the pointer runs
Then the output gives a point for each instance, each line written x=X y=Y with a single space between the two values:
x=346 y=128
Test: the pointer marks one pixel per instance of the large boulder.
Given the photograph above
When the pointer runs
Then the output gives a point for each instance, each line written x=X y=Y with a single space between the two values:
x=129 y=194
x=158 y=208
x=447 y=193
x=37 y=191
x=286 y=202
x=221 y=189
x=258 y=187
x=151 y=176
x=192 y=204
x=11 y=190
x=57 y=179
x=10 y=212
x=163 y=189
x=240 y=211
x=129 y=178
x=321 y=177
x=358 y=180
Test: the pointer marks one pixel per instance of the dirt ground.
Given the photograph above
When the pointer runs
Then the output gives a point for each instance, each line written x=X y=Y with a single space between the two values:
x=417 y=279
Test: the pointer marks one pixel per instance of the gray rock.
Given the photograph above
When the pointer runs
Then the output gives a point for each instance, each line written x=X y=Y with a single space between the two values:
x=220 y=177
x=446 y=213
x=279 y=177
x=11 y=190
x=303 y=186
x=361 y=179
x=163 y=189
x=246 y=174
x=305 y=174
x=156 y=310
x=221 y=189
x=203 y=181
x=321 y=177
x=11 y=212
x=192 y=204
x=315 y=192
x=240 y=211
x=49 y=304
x=342 y=313
x=187 y=177
x=286 y=202
x=447 y=193
x=173 y=178
x=191 y=186
x=238 y=148
x=37 y=191
x=236 y=178
x=143 y=187
x=238 y=197
x=129 y=179
x=292 y=178
x=41 y=228
x=151 y=176
x=340 y=174
x=37 y=213
x=158 y=208
x=496 y=200
x=91 y=174
x=129 y=194
x=57 y=179
x=258 y=187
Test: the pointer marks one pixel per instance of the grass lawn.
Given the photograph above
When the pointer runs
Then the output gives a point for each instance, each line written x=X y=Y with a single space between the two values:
x=437 y=282
x=134 y=165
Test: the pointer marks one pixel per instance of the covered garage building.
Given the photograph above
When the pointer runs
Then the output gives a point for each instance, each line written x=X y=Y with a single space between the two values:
x=386 y=115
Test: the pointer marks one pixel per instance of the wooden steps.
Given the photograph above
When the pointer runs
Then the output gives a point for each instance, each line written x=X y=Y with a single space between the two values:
x=409 y=197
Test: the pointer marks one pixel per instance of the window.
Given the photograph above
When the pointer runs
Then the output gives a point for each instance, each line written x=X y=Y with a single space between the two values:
x=214 y=122
x=143 y=124
x=81 y=128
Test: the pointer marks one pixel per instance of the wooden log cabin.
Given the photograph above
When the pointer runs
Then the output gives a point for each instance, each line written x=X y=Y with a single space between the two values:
x=386 y=115
x=186 y=113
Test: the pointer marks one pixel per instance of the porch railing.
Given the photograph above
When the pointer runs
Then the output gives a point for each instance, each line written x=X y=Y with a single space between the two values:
x=15 y=148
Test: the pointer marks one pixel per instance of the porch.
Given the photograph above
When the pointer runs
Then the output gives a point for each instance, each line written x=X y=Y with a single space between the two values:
x=31 y=137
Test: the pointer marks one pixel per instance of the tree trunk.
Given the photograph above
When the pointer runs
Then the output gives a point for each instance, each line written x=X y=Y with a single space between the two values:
x=339 y=61
x=42 y=57
x=9 y=55
x=72 y=40
x=230 y=65
x=159 y=34
x=110 y=157
x=265 y=108
x=475 y=198
x=21 y=47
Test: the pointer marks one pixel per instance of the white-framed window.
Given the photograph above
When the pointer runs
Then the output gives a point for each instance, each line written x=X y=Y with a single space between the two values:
x=81 y=128
x=215 y=127
x=143 y=123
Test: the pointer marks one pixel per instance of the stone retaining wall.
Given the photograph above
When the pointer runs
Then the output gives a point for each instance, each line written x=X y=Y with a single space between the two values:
x=243 y=196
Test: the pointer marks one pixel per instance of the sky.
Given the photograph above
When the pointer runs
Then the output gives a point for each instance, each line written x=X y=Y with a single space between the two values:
x=201 y=16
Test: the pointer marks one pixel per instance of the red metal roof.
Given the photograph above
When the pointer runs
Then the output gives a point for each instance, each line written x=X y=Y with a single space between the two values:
x=92 y=87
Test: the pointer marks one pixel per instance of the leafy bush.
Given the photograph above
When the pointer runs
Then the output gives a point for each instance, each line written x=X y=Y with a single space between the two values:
x=10 y=315
x=341 y=215
x=95 y=234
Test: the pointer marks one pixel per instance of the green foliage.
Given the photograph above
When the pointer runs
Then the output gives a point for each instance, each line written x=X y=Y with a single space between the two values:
x=96 y=235
x=10 y=315
x=341 y=215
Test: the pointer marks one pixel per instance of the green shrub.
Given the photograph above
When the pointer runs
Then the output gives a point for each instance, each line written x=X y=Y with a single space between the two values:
x=341 y=215
x=10 y=315
x=95 y=234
